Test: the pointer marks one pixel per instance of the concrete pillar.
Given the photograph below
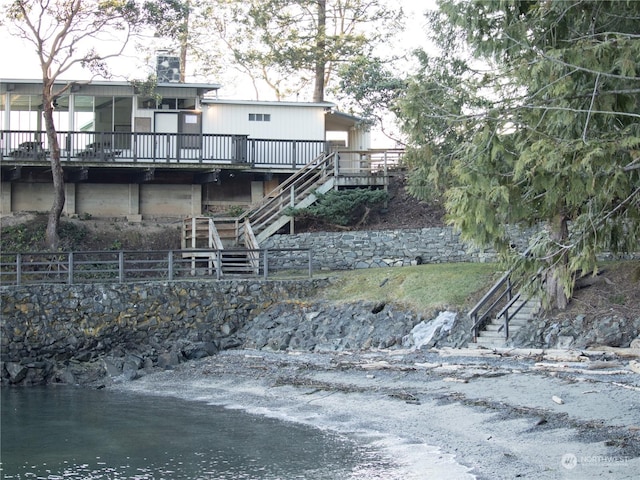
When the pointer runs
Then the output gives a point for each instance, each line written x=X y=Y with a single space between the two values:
x=133 y=214
x=196 y=200
x=5 y=199
x=70 y=199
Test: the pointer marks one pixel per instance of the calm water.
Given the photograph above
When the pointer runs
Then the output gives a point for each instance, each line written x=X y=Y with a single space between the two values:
x=72 y=433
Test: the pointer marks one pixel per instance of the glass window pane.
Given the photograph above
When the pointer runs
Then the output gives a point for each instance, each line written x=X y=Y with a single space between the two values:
x=83 y=113
x=187 y=103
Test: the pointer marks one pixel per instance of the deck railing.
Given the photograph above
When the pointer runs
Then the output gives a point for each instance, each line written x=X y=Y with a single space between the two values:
x=134 y=147
x=161 y=265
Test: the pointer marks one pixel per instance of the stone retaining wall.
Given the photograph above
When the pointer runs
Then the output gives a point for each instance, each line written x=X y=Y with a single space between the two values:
x=48 y=331
x=385 y=248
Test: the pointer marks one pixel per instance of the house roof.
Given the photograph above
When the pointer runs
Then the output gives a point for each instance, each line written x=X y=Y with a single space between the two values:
x=7 y=84
x=228 y=101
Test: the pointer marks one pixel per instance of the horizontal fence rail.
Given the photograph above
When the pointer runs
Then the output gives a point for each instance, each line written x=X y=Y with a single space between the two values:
x=128 y=147
x=161 y=265
x=369 y=162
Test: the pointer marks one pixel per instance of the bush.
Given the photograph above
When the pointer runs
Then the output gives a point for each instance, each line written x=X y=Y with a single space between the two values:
x=344 y=207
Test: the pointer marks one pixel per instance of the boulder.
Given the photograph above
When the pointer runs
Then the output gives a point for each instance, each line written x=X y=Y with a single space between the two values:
x=16 y=371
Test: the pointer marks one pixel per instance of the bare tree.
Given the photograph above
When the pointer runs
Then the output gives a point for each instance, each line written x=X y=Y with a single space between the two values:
x=63 y=33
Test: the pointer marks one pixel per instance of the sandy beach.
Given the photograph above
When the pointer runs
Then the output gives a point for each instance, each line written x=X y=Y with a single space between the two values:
x=445 y=414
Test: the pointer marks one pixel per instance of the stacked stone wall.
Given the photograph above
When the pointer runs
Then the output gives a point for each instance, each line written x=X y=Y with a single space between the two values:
x=384 y=248
x=47 y=330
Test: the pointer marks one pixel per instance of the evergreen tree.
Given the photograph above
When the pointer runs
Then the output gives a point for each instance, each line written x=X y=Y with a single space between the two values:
x=548 y=133
x=296 y=43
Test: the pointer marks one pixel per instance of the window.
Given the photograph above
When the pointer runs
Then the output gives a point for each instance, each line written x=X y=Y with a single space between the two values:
x=259 y=117
x=148 y=103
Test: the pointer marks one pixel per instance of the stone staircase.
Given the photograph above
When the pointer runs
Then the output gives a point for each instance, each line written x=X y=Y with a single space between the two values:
x=493 y=334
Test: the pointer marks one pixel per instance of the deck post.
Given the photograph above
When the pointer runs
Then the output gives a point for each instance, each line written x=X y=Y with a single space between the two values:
x=266 y=263
x=121 y=266
x=18 y=269
x=70 y=270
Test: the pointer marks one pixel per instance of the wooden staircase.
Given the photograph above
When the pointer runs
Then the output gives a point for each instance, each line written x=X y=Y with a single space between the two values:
x=508 y=306
x=231 y=245
x=298 y=191
x=213 y=245
x=494 y=336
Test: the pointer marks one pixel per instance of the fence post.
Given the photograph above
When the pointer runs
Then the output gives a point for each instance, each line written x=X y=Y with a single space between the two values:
x=266 y=263
x=310 y=263
x=70 y=278
x=18 y=269
x=218 y=264
x=294 y=160
x=121 y=266
x=134 y=147
x=170 y=266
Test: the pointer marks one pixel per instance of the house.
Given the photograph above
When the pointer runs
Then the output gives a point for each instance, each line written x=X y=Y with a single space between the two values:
x=180 y=151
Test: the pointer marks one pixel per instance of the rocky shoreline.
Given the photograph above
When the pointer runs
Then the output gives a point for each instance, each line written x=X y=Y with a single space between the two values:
x=440 y=413
x=138 y=344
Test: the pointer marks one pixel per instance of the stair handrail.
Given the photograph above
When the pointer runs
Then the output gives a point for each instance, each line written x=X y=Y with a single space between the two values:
x=478 y=322
x=507 y=282
x=251 y=244
x=214 y=236
x=302 y=182
x=505 y=310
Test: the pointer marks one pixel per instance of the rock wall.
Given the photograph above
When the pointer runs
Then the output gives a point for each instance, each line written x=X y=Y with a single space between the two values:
x=333 y=327
x=578 y=332
x=386 y=248
x=75 y=334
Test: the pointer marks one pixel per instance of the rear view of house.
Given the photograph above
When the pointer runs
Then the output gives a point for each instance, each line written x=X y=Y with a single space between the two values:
x=179 y=152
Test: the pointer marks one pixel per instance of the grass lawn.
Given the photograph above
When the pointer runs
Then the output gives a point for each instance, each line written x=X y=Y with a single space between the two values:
x=424 y=288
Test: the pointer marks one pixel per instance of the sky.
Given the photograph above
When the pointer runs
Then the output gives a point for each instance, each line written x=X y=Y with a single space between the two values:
x=19 y=61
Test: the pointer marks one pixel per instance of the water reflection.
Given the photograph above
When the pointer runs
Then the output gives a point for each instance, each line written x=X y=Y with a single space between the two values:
x=68 y=433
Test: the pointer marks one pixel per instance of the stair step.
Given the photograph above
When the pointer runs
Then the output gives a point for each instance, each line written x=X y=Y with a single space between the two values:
x=491 y=343
x=500 y=327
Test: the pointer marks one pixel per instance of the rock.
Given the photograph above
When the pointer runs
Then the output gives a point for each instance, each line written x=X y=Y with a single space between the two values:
x=16 y=371
x=564 y=341
x=635 y=343
x=168 y=360
x=200 y=350
x=112 y=366
x=66 y=376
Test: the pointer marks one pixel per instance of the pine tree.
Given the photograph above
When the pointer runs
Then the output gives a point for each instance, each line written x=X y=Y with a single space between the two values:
x=548 y=134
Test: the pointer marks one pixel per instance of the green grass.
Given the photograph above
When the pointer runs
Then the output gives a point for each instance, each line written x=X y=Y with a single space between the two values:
x=424 y=288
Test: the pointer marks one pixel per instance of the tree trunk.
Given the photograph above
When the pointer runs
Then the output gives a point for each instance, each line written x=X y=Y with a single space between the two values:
x=57 y=173
x=558 y=272
x=184 y=45
x=321 y=46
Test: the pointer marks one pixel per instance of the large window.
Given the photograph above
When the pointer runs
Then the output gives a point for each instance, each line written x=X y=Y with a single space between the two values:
x=83 y=113
x=26 y=112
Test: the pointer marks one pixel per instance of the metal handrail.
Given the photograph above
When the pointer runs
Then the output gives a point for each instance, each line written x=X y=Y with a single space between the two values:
x=508 y=283
x=28 y=268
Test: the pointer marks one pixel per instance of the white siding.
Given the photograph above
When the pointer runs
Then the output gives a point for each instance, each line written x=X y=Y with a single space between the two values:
x=287 y=122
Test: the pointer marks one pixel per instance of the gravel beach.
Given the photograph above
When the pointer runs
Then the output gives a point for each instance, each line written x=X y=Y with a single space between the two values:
x=444 y=414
